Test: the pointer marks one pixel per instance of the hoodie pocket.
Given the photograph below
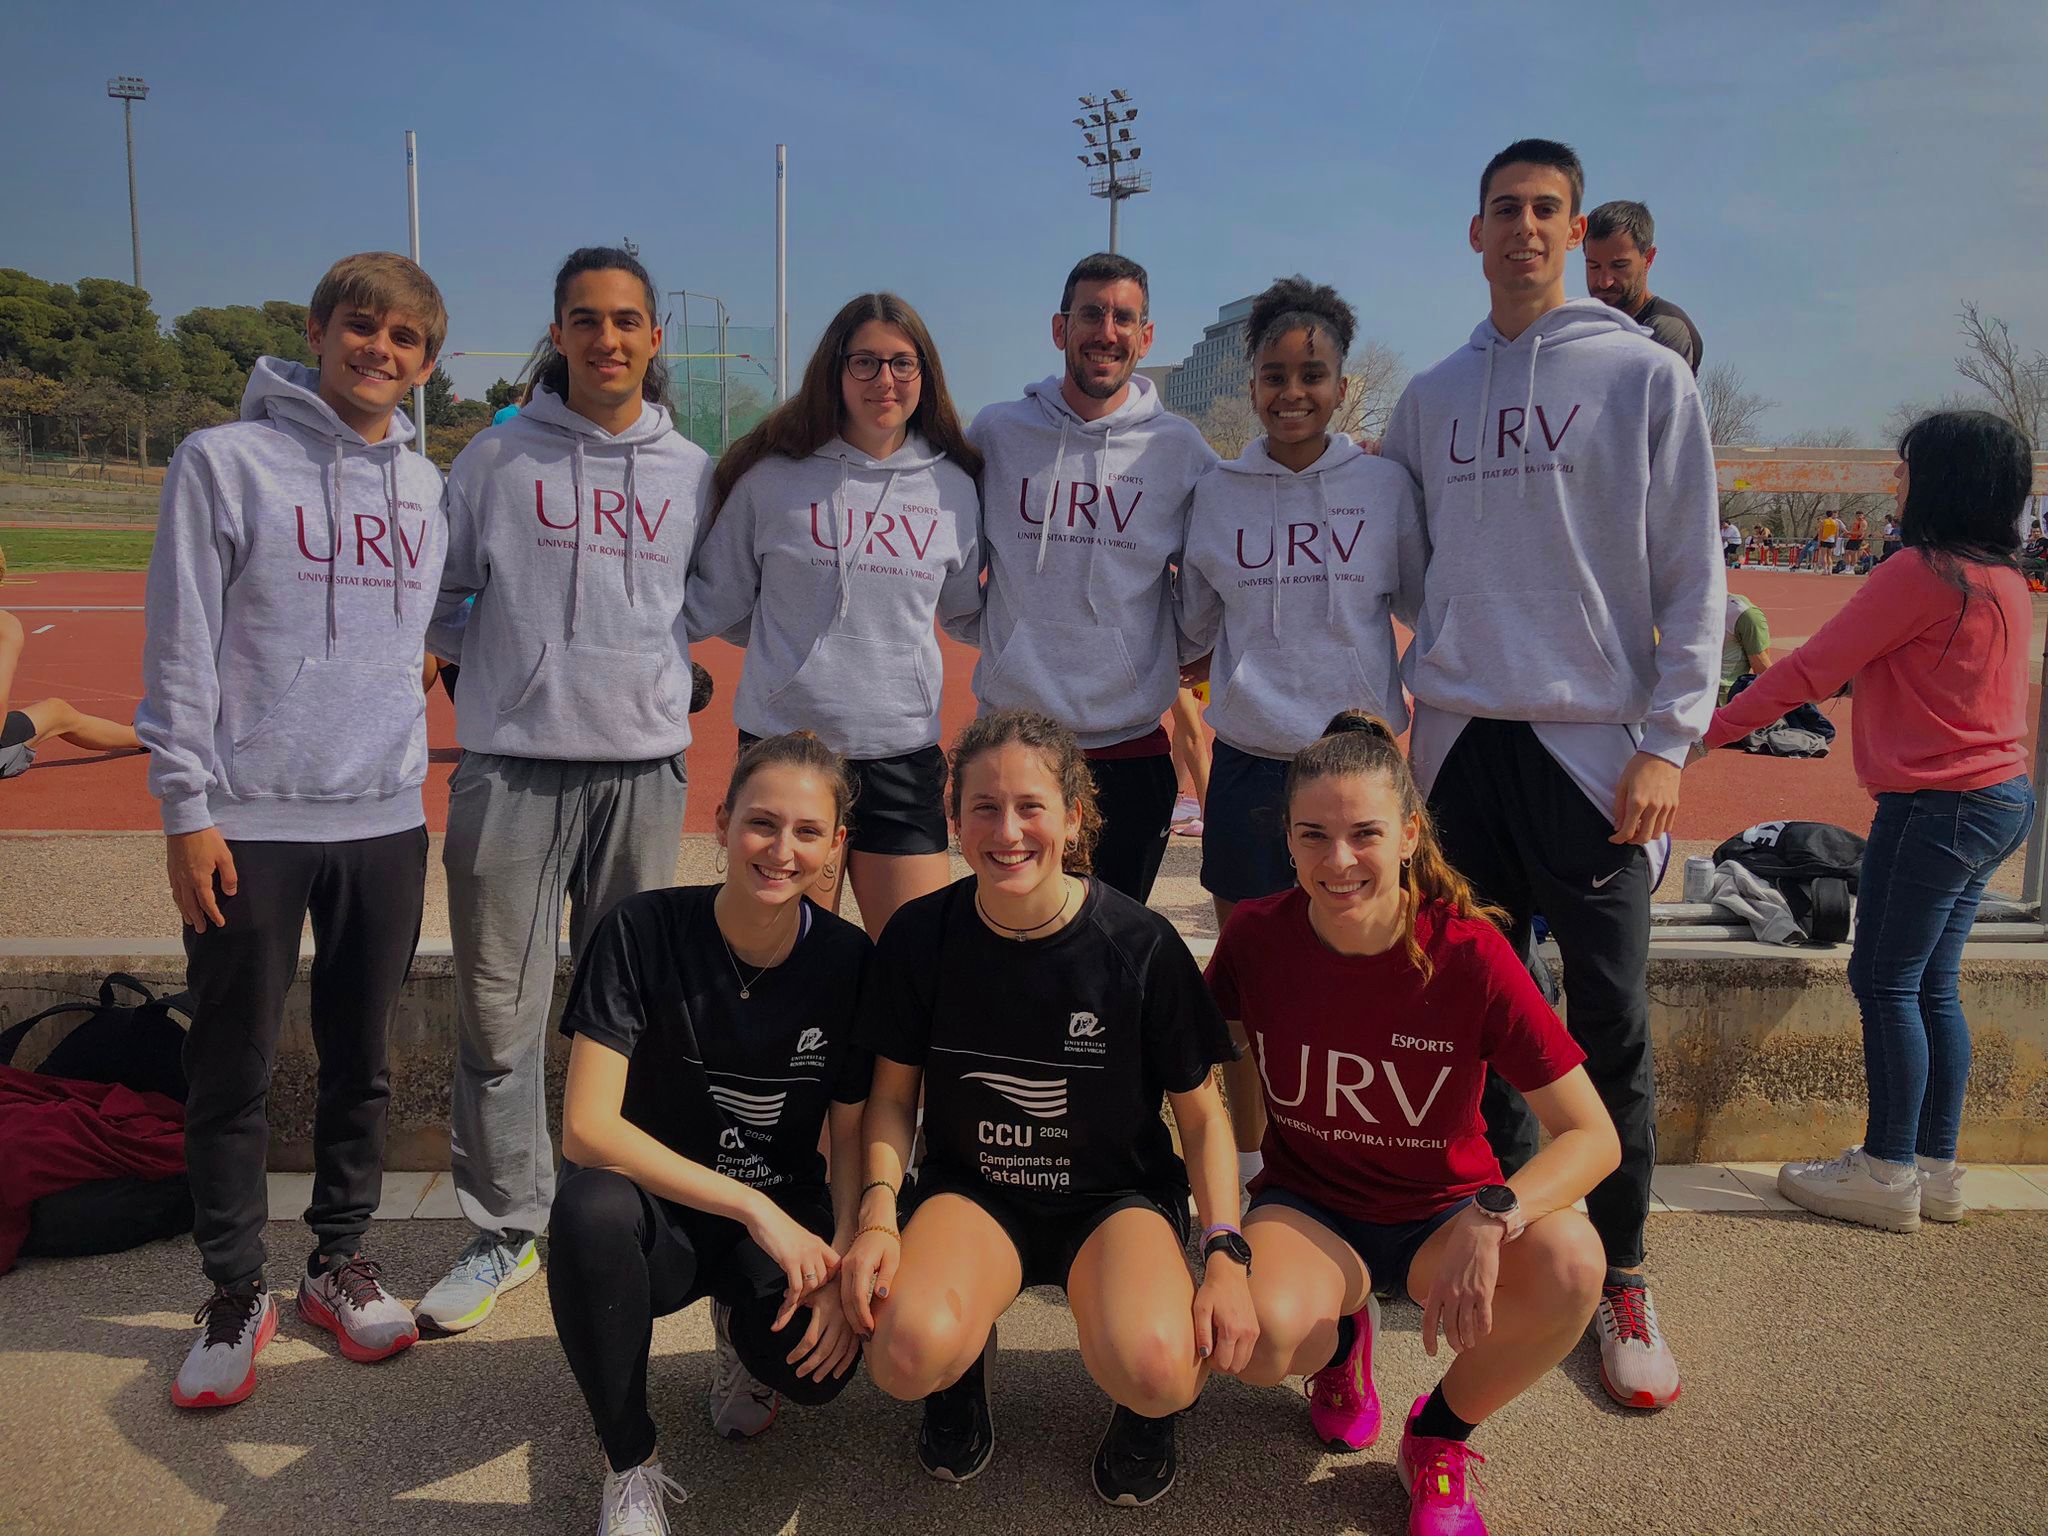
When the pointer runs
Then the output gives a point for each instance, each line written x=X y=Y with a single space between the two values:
x=1080 y=674
x=341 y=730
x=1275 y=702
x=622 y=695
x=1538 y=649
x=850 y=688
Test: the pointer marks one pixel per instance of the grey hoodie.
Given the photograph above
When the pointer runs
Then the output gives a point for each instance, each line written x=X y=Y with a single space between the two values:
x=1293 y=580
x=1081 y=523
x=576 y=546
x=294 y=571
x=1574 y=570
x=837 y=565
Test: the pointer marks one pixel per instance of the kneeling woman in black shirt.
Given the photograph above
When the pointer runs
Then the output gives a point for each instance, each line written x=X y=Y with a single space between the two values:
x=713 y=1038
x=1044 y=1015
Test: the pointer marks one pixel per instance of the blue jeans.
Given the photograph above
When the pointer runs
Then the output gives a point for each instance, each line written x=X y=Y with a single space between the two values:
x=1929 y=857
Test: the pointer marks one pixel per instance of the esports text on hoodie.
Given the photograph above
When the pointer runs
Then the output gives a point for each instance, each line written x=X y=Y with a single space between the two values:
x=573 y=715
x=1574 y=591
x=1082 y=523
x=1291 y=581
x=288 y=596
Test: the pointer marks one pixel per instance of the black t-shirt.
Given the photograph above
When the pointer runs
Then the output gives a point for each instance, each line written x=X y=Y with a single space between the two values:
x=1045 y=1062
x=1674 y=328
x=738 y=1085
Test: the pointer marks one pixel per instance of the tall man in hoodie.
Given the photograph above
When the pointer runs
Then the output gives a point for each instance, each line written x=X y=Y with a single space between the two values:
x=1565 y=657
x=572 y=525
x=1085 y=492
x=297 y=555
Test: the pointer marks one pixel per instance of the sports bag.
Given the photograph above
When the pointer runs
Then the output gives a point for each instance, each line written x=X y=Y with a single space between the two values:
x=1815 y=866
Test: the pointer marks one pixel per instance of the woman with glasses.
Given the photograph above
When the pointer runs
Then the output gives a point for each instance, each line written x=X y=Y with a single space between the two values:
x=844 y=524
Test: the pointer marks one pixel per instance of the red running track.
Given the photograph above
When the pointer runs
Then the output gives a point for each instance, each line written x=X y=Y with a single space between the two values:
x=94 y=660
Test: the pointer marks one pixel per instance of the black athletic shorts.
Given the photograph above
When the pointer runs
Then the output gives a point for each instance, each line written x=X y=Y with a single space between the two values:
x=16 y=732
x=1048 y=1235
x=1387 y=1247
x=899 y=803
x=1244 y=845
x=16 y=728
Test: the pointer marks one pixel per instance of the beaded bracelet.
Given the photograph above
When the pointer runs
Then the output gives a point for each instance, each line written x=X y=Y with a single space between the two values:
x=876 y=1184
x=864 y=1231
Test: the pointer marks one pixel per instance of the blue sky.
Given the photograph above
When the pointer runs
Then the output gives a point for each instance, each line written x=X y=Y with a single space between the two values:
x=1829 y=180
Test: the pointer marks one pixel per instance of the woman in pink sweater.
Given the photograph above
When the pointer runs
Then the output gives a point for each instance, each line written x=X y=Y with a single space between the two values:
x=1939 y=644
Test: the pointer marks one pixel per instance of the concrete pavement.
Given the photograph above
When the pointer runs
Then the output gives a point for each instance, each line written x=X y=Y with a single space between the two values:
x=1837 y=1381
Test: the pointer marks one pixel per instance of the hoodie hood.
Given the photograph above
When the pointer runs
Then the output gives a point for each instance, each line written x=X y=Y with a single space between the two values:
x=1339 y=450
x=1082 y=522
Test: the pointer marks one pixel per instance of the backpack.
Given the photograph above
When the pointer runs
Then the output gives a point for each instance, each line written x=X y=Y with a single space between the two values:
x=1814 y=865
x=140 y=1046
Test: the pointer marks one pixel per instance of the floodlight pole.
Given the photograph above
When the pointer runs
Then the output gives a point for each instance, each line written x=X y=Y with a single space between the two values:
x=412 y=213
x=781 y=273
x=1111 y=115
x=129 y=89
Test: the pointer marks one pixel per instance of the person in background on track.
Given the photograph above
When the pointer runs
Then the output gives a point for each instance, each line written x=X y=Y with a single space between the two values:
x=23 y=730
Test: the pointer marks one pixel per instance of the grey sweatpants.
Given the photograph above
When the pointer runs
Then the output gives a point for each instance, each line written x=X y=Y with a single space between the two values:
x=523 y=835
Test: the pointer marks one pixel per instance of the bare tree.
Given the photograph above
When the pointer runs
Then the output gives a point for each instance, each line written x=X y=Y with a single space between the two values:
x=1797 y=514
x=1377 y=375
x=1228 y=424
x=1996 y=364
x=1732 y=406
x=1909 y=411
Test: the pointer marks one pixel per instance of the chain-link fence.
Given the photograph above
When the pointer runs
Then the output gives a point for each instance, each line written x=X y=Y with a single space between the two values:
x=724 y=381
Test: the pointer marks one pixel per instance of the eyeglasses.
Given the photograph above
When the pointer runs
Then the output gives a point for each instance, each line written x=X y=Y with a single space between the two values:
x=1090 y=317
x=903 y=367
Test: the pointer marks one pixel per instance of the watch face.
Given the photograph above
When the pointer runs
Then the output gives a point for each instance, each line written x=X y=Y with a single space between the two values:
x=1495 y=1200
x=1232 y=1244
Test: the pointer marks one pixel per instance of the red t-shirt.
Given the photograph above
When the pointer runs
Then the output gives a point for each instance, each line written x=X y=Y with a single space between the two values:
x=1373 y=1078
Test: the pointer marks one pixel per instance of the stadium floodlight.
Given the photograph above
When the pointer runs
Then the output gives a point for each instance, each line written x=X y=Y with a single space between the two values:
x=1111 y=115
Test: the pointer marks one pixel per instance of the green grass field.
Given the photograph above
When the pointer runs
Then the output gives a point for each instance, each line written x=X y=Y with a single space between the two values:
x=76 y=549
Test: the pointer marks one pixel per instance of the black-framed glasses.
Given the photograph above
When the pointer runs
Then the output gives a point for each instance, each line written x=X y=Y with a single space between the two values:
x=903 y=367
x=1090 y=317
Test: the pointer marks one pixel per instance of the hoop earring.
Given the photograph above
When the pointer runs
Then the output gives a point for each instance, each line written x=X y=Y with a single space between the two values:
x=829 y=872
x=719 y=861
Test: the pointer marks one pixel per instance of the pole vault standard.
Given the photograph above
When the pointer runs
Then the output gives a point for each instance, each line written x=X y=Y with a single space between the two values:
x=412 y=204
x=781 y=273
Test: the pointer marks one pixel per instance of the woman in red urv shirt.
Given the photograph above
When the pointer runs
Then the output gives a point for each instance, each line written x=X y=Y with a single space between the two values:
x=1940 y=643
x=1372 y=997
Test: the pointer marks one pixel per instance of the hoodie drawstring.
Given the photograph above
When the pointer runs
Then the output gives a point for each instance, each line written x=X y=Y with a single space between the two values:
x=1479 y=448
x=1329 y=553
x=1528 y=413
x=1273 y=484
x=397 y=542
x=576 y=531
x=632 y=508
x=849 y=558
x=1052 y=495
x=330 y=483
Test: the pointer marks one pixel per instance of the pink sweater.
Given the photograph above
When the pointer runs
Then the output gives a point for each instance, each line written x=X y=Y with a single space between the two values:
x=1924 y=720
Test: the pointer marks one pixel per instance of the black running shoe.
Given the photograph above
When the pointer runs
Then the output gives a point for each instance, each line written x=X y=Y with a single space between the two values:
x=1136 y=1461
x=958 y=1434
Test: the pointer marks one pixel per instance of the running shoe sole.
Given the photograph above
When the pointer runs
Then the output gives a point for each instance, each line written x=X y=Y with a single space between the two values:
x=264 y=1331
x=1644 y=1400
x=1822 y=1203
x=1128 y=1500
x=317 y=1314
x=519 y=1276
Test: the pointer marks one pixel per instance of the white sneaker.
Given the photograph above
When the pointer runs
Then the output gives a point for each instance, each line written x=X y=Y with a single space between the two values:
x=350 y=1302
x=1849 y=1188
x=1941 y=1189
x=488 y=1268
x=1636 y=1365
x=741 y=1407
x=220 y=1368
x=635 y=1502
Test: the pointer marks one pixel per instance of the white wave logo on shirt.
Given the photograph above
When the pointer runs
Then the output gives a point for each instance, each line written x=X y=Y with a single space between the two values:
x=1042 y=1099
x=759 y=1110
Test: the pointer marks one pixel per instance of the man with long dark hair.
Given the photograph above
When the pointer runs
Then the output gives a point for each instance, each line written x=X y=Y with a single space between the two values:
x=572 y=527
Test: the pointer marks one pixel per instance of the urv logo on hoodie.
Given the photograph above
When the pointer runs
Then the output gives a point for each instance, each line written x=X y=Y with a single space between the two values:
x=831 y=570
x=575 y=544
x=1574 y=569
x=1293 y=581
x=289 y=592
x=1083 y=522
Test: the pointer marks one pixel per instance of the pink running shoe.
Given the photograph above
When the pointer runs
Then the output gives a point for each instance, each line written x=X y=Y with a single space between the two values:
x=1343 y=1403
x=1435 y=1473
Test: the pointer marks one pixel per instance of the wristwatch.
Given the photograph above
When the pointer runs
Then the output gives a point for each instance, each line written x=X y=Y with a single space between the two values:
x=1497 y=1203
x=1229 y=1242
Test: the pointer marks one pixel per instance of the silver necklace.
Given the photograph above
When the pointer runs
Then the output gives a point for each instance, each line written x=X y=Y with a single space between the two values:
x=747 y=983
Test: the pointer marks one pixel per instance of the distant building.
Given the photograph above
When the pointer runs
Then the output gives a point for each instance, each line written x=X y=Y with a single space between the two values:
x=1159 y=374
x=1217 y=365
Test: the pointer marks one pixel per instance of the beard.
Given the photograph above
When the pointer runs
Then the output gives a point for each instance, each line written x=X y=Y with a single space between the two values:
x=1095 y=389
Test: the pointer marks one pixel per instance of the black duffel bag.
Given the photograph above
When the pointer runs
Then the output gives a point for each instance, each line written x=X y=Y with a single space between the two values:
x=1815 y=866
